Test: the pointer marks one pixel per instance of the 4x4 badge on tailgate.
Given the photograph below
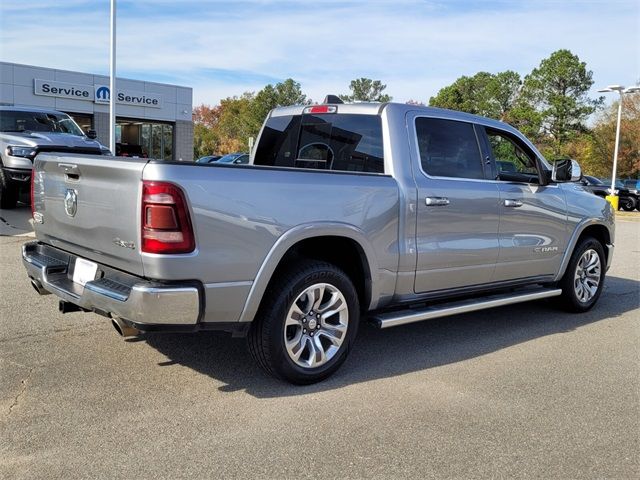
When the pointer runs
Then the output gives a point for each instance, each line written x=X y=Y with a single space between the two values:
x=124 y=243
x=71 y=202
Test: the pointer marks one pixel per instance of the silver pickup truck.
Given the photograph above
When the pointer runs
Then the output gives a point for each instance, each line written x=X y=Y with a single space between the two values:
x=387 y=212
x=27 y=131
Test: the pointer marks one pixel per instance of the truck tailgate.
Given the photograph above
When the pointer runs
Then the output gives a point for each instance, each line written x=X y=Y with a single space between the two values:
x=89 y=205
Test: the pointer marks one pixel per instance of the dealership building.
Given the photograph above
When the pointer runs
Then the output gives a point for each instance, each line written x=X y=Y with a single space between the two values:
x=155 y=116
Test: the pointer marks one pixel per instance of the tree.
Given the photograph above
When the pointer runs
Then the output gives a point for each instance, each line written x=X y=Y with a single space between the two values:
x=281 y=94
x=205 y=140
x=366 y=90
x=236 y=123
x=486 y=94
x=554 y=99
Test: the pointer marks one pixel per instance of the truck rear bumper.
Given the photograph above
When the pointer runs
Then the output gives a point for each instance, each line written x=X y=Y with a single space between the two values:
x=114 y=293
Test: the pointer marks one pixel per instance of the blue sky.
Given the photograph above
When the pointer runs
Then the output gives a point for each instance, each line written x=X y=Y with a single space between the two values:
x=223 y=48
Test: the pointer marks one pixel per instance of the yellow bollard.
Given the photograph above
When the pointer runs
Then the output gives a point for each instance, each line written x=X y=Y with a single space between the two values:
x=613 y=200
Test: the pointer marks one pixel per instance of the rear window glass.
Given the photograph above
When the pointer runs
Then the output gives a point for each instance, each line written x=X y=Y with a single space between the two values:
x=343 y=142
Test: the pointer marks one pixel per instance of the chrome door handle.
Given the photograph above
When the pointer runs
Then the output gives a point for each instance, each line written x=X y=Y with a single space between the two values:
x=436 y=201
x=512 y=203
x=68 y=166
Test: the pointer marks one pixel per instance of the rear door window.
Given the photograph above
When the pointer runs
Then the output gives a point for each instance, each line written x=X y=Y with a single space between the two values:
x=448 y=148
x=341 y=142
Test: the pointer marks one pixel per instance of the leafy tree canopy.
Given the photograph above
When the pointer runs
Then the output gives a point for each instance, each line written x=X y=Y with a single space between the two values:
x=366 y=90
x=486 y=94
x=557 y=90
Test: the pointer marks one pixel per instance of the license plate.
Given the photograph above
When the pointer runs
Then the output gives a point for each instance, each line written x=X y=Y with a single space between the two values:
x=84 y=271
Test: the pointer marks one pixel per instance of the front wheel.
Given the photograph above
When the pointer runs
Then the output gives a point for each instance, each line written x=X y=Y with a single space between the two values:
x=583 y=281
x=306 y=324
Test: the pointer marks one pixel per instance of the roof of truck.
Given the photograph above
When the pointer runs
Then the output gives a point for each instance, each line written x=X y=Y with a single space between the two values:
x=376 y=108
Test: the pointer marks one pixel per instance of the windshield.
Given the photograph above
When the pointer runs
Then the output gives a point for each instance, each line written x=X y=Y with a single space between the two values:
x=230 y=158
x=19 y=121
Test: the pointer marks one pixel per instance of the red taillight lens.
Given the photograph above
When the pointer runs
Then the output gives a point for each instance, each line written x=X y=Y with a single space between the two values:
x=33 y=203
x=166 y=227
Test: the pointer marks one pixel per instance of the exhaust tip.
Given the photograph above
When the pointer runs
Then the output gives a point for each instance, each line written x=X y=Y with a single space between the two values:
x=37 y=286
x=123 y=329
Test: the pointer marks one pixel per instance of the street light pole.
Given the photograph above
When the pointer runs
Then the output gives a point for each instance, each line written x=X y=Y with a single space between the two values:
x=112 y=81
x=612 y=197
x=615 y=148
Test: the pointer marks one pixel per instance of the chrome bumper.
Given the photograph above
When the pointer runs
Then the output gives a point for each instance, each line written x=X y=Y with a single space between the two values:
x=113 y=293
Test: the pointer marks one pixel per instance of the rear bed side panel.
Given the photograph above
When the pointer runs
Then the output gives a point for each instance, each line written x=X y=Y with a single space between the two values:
x=240 y=212
x=105 y=227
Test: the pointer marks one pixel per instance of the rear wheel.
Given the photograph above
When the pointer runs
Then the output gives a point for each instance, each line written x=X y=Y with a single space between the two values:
x=8 y=192
x=583 y=281
x=307 y=323
x=628 y=204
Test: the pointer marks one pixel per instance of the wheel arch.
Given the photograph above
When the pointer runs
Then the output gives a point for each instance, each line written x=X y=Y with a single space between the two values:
x=332 y=242
x=591 y=228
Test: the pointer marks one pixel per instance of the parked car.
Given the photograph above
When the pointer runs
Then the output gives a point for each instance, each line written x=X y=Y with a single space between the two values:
x=389 y=212
x=634 y=190
x=208 y=158
x=27 y=131
x=234 y=158
x=130 y=150
x=626 y=200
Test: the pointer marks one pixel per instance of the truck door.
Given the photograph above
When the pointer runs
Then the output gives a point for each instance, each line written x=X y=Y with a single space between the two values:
x=457 y=208
x=533 y=217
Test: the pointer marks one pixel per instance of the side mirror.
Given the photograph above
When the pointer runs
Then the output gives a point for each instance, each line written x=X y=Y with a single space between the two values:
x=566 y=170
x=92 y=134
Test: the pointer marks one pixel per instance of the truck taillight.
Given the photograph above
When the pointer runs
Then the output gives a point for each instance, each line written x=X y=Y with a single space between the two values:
x=166 y=227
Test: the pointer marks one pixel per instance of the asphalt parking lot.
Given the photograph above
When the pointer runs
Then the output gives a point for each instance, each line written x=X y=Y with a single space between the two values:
x=520 y=391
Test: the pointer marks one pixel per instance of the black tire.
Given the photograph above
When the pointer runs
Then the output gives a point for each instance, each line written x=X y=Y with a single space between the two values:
x=569 y=300
x=8 y=192
x=266 y=337
x=628 y=204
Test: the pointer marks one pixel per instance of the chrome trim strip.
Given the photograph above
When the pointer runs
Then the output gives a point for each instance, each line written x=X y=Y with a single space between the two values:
x=386 y=320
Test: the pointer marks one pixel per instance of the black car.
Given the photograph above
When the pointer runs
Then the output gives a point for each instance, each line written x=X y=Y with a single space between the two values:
x=627 y=201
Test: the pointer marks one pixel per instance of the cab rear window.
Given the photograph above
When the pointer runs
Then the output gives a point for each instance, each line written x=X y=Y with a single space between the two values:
x=343 y=142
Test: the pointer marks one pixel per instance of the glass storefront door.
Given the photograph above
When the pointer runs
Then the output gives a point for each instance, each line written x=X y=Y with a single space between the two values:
x=156 y=139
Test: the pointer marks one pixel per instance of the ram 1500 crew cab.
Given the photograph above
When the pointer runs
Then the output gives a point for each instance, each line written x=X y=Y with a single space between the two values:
x=389 y=212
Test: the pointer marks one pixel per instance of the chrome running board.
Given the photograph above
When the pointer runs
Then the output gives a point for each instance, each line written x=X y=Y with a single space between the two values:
x=402 y=317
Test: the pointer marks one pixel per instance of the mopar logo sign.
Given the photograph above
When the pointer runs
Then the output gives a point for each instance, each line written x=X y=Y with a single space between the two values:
x=102 y=94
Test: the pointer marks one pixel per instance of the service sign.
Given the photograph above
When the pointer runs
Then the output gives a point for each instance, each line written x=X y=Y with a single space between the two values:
x=50 y=88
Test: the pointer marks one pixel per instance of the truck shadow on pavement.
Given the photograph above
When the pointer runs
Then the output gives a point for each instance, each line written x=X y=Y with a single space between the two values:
x=396 y=351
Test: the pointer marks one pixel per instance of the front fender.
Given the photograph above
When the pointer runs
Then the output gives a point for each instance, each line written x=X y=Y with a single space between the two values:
x=609 y=224
x=292 y=237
